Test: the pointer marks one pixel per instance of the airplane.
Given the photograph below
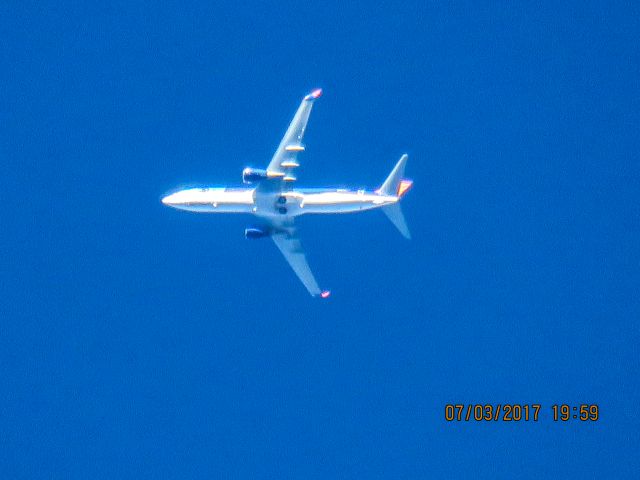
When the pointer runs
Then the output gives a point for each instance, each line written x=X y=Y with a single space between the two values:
x=272 y=198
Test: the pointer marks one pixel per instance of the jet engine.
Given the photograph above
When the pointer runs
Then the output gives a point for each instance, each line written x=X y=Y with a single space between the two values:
x=253 y=175
x=254 y=233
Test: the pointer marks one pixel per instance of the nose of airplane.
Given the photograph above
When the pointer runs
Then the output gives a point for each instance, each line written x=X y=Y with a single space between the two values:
x=169 y=200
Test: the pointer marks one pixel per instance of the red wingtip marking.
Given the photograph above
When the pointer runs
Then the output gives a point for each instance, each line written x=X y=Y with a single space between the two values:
x=325 y=294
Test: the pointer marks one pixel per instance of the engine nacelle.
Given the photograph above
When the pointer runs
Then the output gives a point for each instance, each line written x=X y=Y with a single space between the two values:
x=254 y=233
x=253 y=175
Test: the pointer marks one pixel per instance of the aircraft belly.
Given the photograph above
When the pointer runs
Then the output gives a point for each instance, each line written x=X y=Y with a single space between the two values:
x=217 y=208
x=337 y=208
x=231 y=208
x=231 y=201
x=215 y=200
x=338 y=202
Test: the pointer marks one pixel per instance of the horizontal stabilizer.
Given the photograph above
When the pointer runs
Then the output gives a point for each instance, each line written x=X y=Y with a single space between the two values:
x=396 y=186
x=393 y=183
x=397 y=218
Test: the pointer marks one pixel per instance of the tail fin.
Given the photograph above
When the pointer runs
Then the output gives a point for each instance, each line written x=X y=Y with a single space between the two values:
x=396 y=186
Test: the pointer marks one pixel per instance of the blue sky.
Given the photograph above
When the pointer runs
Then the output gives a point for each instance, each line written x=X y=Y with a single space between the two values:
x=142 y=342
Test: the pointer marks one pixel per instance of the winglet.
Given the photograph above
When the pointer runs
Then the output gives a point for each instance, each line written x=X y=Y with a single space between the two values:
x=313 y=95
x=325 y=294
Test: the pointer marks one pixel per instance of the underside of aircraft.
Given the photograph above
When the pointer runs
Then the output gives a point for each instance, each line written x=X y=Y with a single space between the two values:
x=271 y=196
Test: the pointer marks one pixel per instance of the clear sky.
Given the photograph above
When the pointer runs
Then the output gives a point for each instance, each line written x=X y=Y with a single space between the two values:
x=137 y=341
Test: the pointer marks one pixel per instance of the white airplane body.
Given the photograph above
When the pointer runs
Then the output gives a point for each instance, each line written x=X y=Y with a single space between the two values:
x=276 y=203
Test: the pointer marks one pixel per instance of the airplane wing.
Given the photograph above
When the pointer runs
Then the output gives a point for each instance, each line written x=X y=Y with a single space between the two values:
x=289 y=244
x=284 y=161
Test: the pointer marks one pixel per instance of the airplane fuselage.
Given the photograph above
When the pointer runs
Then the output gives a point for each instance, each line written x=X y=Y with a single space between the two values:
x=291 y=203
x=270 y=195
